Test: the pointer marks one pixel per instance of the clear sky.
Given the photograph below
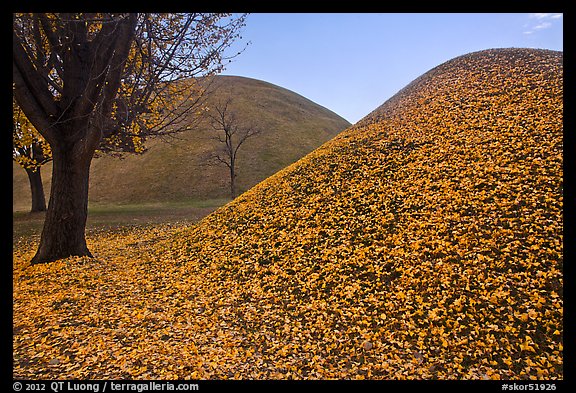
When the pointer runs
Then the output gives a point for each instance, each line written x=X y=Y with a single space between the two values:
x=351 y=63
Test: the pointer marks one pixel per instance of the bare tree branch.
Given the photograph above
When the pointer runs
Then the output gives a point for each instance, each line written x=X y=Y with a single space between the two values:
x=229 y=132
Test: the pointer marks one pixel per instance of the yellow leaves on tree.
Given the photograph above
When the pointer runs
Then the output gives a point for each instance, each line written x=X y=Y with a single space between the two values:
x=29 y=149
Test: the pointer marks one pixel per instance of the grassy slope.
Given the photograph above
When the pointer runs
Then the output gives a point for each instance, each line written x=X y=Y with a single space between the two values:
x=111 y=217
x=292 y=126
x=426 y=242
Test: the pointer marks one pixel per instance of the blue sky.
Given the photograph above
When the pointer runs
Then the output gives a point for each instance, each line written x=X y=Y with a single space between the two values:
x=351 y=63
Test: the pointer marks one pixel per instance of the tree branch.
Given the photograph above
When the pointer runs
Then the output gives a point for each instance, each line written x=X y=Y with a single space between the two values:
x=26 y=78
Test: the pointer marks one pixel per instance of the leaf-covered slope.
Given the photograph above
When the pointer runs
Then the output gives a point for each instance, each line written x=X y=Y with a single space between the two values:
x=425 y=242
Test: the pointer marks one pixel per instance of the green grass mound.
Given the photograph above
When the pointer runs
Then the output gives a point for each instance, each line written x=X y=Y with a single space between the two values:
x=424 y=242
x=175 y=170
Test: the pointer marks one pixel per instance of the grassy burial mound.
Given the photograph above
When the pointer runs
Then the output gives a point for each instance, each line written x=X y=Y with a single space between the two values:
x=425 y=242
x=174 y=170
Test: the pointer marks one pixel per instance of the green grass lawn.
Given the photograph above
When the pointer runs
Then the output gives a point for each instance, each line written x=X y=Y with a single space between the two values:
x=111 y=216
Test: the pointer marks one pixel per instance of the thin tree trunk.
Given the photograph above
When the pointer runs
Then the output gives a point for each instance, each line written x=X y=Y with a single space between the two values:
x=232 y=179
x=37 y=190
x=63 y=234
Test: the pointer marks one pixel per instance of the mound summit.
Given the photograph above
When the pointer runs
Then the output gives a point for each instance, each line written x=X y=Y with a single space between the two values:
x=423 y=242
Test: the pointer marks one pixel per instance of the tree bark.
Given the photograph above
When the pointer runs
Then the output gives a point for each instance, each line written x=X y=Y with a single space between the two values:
x=63 y=234
x=232 y=184
x=37 y=190
x=232 y=168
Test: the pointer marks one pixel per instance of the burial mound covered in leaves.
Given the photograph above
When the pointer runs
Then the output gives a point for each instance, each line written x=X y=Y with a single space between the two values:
x=423 y=242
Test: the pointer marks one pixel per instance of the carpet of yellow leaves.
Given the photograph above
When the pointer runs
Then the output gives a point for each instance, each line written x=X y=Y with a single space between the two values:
x=424 y=242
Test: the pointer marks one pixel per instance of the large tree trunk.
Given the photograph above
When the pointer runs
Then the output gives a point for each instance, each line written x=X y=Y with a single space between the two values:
x=63 y=234
x=37 y=190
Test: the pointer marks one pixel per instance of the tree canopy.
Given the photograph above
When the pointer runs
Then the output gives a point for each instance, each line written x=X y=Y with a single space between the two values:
x=129 y=101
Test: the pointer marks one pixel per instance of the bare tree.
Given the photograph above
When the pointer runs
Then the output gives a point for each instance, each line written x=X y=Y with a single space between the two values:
x=231 y=133
x=85 y=80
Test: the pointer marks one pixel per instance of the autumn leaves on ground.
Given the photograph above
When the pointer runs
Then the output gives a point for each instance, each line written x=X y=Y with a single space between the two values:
x=423 y=242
